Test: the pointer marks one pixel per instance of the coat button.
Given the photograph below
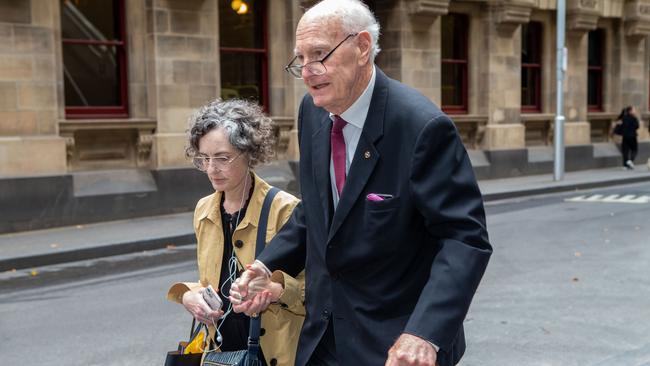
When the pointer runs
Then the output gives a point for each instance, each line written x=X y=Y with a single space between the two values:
x=273 y=362
x=262 y=331
x=239 y=243
x=326 y=314
x=283 y=305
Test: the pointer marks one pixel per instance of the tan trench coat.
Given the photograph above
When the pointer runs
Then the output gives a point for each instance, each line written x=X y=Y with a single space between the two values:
x=281 y=323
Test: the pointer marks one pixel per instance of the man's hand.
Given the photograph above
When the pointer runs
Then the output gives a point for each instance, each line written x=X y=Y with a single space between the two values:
x=412 y=351
x=254 y=291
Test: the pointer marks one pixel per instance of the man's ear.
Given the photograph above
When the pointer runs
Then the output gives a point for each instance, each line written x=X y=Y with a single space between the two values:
x=365 y=43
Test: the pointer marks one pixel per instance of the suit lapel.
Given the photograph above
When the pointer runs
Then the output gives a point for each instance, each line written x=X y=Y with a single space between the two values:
x=366 y=156
x=321 y=166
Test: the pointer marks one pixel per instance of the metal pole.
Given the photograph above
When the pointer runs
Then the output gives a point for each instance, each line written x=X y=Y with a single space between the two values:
x=558 y=163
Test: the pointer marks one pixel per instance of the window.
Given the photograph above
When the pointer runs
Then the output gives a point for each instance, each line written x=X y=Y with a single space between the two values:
x=454 y=63
x=531 y=67
x=94 y=58
x=242 y=32
x=595 y=70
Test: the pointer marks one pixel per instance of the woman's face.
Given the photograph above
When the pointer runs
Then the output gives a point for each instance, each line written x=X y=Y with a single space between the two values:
x=234 y=164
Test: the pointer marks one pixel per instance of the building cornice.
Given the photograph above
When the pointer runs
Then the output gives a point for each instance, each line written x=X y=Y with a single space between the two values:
x=637 y=18
x=512 y=11
x=582 y=15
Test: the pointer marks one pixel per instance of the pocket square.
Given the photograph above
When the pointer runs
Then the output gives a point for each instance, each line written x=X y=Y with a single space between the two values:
x=378 y=196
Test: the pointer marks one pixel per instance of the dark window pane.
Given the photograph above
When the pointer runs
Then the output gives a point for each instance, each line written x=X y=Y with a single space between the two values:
x=596 y=48
x=241 y=30
x=452 y=84
x=594 y=87
x=531 y=42
x=92 y=75
x=454 y=36
x=90 y=19
x=241 y=76
x=529 y=87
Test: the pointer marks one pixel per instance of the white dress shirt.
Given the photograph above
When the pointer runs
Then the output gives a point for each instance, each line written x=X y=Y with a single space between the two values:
x=355 y=116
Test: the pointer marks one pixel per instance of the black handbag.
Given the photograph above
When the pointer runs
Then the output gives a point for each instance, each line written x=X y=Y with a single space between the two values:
x=618 y=129
x=177 y=358
x=247 y=357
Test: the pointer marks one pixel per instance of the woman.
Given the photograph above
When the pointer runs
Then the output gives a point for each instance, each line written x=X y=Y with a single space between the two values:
x=226 y=140
x=628 y=127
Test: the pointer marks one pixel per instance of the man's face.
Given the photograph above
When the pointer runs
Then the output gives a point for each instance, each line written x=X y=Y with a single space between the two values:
x=338 y=88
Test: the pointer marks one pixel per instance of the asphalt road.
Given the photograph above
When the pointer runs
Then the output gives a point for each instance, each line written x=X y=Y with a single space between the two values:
x=568 y=284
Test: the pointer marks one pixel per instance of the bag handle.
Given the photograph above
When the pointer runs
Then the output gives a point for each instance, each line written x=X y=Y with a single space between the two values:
x=260 y=243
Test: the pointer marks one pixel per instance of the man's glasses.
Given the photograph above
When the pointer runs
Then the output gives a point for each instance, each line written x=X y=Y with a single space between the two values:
x=314 y=67
x=221 y=163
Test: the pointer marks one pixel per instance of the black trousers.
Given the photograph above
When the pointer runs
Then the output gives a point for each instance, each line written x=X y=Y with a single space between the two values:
x=630 y=148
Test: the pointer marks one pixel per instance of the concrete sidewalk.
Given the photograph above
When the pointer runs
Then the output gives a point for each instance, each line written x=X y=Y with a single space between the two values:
x=67 y=244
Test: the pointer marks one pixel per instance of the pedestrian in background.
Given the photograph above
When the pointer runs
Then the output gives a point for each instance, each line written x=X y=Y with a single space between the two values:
x=628 y=124
x=227 y=139
x=391 y=227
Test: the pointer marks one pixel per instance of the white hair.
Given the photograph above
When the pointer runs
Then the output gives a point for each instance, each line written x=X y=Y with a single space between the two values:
x=353 y=15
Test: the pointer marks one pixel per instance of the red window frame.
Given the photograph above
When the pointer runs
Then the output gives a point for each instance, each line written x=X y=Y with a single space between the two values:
x=533 y=36
x=258 y=51
x=463 y=62
x=597 y=69
x=119 y=111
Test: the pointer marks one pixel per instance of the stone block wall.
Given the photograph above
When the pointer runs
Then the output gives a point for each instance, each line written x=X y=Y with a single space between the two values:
x=28 y=89
x=183 y=69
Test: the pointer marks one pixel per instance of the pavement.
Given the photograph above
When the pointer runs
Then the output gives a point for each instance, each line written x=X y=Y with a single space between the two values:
x=38 y=248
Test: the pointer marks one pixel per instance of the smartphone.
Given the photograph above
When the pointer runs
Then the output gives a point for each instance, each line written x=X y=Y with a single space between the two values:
x=210 y=296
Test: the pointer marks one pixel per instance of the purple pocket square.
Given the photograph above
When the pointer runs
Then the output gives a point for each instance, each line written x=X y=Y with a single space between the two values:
x=377 y=197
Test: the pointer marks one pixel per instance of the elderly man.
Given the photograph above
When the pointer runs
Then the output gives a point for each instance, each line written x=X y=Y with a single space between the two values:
x=391 y=229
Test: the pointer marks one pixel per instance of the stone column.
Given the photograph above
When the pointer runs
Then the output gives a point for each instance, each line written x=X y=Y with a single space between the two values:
x=633 y=50
x=410 y=43
x=29 y=141
x=285 y=92
x=501 y=72
x=582 y=16
x=183 y=70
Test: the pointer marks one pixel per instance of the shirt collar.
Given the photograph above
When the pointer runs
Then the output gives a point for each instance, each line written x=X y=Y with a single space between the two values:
x=358 y=111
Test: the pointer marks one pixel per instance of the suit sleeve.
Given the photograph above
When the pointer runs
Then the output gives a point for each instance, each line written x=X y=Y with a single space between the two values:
x=293 y=296
x=287 y=251
x=444 y=188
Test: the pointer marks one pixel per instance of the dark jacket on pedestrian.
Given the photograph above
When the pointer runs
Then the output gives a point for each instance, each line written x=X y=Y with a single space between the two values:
x=629 y=125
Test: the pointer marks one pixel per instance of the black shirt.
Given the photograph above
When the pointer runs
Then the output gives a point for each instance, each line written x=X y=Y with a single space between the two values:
x=234 y=330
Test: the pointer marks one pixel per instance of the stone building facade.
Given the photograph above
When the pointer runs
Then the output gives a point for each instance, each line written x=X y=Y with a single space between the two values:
x=95 y=95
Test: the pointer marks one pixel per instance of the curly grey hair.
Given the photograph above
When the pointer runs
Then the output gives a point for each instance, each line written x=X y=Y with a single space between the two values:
x=248 y=129
x=353 y=15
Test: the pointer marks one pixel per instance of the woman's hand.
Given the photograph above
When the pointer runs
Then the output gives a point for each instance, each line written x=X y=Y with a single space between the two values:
x=200 y=310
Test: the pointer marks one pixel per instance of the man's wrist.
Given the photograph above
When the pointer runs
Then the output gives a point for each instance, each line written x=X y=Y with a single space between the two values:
x=264 y=268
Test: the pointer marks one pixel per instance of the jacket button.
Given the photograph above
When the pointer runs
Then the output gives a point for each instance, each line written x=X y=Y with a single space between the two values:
x=273 y=362
x=326 y=314
x=283 y=305
x=239 y=243
x=262 y=331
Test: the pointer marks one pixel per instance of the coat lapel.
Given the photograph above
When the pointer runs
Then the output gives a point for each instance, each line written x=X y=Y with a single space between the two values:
x=366 y=156
x=321 y=166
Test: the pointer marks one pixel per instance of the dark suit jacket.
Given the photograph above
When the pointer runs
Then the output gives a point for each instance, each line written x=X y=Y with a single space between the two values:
x=410 y=263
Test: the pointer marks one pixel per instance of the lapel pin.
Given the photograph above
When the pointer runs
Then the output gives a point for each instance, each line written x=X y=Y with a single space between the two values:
x=366 y=154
